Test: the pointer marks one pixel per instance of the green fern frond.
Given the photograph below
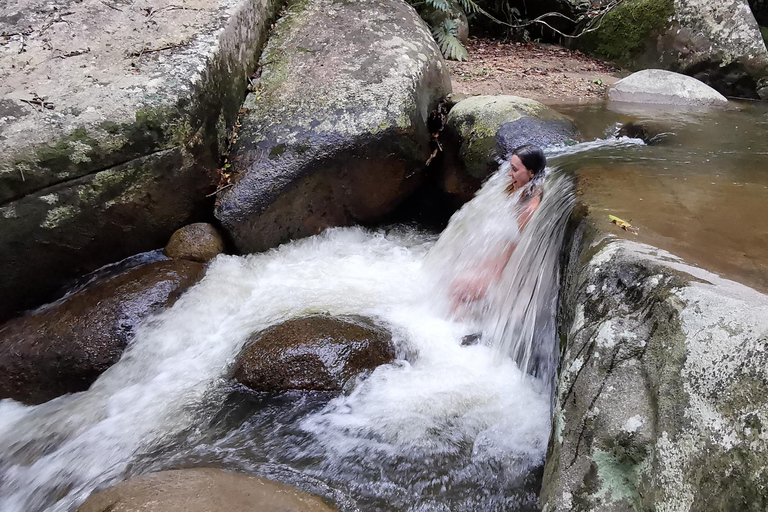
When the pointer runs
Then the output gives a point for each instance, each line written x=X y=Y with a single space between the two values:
x=445 y=35
x=469 y=6
x=441 y=5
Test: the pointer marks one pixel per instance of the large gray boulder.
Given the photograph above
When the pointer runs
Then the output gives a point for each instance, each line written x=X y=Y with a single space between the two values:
x=65 y=347
x=718 y=43
x=662 y=401
x=336 y=130
x=112 y=119
x=666 y=88
x=481 y=129
x=202 y=490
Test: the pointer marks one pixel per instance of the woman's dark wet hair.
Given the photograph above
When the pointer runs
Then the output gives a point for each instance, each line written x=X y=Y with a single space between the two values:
x=532 y=157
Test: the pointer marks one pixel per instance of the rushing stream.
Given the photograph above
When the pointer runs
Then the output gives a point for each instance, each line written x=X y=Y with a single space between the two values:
x=445 y=427
x=453 y=423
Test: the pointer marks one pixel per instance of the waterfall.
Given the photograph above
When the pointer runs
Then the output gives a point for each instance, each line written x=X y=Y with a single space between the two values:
x=444 y=427
x=516 y=316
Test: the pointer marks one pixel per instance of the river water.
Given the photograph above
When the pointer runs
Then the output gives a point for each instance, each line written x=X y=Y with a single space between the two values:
x=444 y=427
x=699 y=192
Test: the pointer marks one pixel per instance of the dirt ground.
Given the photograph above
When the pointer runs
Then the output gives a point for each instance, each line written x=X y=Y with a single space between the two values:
x=543 y=72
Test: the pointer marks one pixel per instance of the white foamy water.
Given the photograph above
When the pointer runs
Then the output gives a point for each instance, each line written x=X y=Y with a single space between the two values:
x=448 y=427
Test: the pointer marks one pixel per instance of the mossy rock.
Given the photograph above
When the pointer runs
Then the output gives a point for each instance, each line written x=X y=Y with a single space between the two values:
x=481 y=129
x=336 y=131
x=663 y=384
x=626 y=32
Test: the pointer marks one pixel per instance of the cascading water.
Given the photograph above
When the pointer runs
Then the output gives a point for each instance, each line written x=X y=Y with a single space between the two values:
x=445 y=427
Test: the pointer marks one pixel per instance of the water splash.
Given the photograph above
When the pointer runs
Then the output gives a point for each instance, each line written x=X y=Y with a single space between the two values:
x=445 y=427
x=516 y=306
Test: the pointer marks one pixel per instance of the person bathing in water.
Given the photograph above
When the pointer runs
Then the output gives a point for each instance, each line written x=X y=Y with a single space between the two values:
x=526 y=166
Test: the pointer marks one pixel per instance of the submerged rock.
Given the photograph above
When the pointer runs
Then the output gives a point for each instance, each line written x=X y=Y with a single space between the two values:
x=665 y=88
x=481 y=128
x=202 y=490
x=314 y=353
x=649 y=132
x=121 y=146
x=65 y=347
x=336 y=130
x=196 y=242
x=661 y=403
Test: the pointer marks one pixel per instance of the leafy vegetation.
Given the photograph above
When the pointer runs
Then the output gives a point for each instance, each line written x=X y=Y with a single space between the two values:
x=444 y=18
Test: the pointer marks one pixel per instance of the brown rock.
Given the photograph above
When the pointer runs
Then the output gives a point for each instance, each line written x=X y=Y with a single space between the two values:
x=202 y=490
x=196 y=242
x=313 y=353
x=65 y=347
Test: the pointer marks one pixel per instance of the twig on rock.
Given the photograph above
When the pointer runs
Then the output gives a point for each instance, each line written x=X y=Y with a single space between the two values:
x=74 y=53
x=146 y=49
x=111 y=6
x=37 y=101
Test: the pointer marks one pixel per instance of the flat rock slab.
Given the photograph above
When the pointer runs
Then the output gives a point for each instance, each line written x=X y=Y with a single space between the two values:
x=665 y=88
x=202 y=490
x=336 y=131
x=661 y=401
x=113 y=115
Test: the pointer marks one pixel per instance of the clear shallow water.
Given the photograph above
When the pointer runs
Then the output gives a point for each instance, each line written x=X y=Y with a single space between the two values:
x=701 y=192
x=445 y=427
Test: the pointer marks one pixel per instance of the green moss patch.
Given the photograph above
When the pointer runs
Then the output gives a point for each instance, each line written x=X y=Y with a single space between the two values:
x=624 y=33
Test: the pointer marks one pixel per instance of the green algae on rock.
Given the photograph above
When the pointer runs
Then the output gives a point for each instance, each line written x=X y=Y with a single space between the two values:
x=663 y=385
x=473 y=136
x=335 y=131
x=718 y=43
x=137 y=109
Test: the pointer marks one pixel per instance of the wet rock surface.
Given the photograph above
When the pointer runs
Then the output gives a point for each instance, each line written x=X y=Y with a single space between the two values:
x=661 y=402
x=196 y=242
x=314 y=353
x=665 y=88
x=66 y=346
x=481 y=129
x=336 y=130
x=112 y=118
x=202 y=490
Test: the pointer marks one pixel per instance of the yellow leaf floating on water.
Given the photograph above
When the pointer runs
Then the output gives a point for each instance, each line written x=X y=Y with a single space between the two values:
x=626 y=226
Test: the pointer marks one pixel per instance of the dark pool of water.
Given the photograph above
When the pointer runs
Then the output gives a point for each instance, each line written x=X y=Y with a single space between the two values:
x=700 y=192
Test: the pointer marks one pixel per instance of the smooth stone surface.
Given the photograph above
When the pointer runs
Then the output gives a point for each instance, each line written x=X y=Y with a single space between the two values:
x=196 y=242
x=202 y=490
x=313 y=353
x=143 y=97
x=662 y=399
x=336 y=131
x=664 y=87
x=66 y=346
x=481 y=129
